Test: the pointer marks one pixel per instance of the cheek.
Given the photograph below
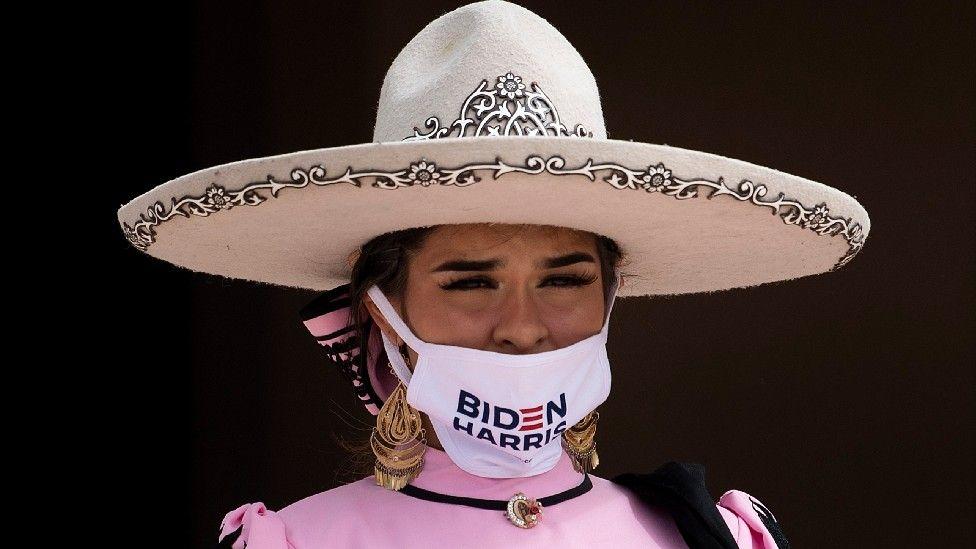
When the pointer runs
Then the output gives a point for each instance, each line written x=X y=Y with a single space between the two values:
x=449 y=326
x=436 y=318
x=577 y=320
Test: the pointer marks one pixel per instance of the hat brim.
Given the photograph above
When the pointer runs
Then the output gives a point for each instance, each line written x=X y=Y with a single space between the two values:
x=687 y=221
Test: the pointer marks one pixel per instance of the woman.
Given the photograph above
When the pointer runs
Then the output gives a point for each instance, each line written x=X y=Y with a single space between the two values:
x=473 y=267
x=517 y=291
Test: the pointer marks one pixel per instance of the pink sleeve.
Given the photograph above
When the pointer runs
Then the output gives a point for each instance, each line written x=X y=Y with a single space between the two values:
x=260 y=528
x=757 y=527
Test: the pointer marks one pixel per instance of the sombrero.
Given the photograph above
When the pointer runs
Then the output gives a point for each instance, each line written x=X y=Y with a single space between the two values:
x=490 y=115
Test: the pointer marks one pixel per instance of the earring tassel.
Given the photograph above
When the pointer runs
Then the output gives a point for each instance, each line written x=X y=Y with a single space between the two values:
x=395 y=480
x=594 y=460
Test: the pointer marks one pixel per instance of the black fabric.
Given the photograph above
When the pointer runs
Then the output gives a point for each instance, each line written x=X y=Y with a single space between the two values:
x=680 y=488
x=494 y=504
x=767 y=518
x=228 y=542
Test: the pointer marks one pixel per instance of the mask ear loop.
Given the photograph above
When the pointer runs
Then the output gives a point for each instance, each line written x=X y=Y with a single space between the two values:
x=396 y=359
x=397 y=323
x=393 y=353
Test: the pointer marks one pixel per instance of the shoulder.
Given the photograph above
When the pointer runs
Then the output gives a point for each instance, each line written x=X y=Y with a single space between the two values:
x=255 y=526
x=346 y=503
x=326 y=515
x=752 y=523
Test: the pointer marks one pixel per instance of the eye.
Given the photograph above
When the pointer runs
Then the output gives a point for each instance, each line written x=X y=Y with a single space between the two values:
x=470 y=283
x=570 y=281
x=485 y=283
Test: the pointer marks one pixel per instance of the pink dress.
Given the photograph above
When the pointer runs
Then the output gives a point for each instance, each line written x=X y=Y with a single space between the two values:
x=362 y=514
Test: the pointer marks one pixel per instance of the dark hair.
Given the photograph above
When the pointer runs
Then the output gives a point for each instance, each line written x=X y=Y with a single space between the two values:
x=383 y=261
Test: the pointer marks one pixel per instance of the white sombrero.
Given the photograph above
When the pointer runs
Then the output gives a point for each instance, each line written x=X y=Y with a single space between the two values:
x=490 y=115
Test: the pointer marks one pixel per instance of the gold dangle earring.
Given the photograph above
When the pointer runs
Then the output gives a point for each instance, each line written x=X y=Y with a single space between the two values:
x=579 y=443
x=398 y=424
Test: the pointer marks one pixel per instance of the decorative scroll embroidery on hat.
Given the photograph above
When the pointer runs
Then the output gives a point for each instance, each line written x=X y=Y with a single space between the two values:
x=506 y=109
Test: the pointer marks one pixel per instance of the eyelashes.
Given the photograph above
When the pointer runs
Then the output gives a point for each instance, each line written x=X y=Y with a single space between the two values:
x=486 y=283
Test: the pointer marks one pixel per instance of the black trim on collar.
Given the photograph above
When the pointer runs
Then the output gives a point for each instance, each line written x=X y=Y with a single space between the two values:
x=496 y=504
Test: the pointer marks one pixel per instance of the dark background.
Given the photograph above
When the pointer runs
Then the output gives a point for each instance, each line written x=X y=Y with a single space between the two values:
x=843 y=401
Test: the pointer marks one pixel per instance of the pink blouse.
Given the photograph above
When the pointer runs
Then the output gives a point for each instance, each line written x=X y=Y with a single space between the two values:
x=362 y=514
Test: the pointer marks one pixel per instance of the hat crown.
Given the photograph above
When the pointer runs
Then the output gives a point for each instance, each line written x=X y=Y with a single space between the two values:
x=488 y=68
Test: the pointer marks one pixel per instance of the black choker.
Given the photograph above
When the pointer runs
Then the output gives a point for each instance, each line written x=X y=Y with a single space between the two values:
x=523 y=511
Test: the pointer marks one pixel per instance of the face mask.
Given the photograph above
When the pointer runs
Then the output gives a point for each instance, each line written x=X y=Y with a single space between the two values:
x=501 y=415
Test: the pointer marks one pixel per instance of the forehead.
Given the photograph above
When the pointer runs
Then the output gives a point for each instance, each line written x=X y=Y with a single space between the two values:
x=496 y=240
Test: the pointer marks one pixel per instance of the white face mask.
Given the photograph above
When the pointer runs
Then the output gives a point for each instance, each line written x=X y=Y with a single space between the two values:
x=501 y=415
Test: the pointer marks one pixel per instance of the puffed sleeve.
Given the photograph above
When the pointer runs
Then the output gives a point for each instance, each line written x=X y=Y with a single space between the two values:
x=757 y=527
x=260 y=528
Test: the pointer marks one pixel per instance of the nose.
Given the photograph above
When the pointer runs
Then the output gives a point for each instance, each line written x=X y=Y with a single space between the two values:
x=520 y=328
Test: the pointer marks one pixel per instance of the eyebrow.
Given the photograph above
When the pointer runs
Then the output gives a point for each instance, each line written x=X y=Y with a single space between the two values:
x=492 y=264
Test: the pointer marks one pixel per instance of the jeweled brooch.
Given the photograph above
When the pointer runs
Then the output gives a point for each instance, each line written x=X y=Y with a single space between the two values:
x=523 y=511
